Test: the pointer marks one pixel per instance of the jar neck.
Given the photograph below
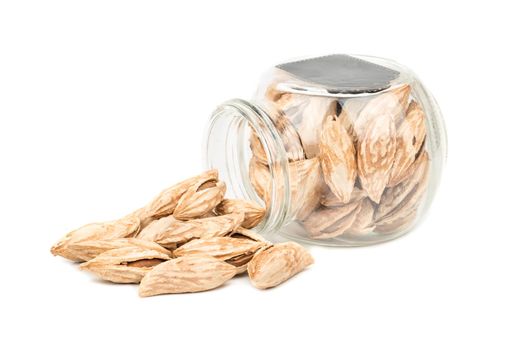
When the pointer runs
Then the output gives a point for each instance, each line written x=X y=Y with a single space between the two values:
x=227 y=148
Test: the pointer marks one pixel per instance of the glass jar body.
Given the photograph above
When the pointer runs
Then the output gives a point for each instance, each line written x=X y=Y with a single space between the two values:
x=342 y=150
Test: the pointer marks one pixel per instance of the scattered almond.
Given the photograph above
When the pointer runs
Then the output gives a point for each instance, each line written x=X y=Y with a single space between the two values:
x=186 y=274
x=200 y=199
x=274 y=265
x=119 y=265
x=253 y=213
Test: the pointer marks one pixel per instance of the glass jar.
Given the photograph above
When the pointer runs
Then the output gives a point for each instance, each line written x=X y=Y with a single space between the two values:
x=343 y=150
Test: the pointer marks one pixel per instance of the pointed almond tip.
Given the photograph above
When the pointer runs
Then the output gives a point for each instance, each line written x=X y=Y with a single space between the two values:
x=375 y=198
x=56 y=249
x=403 y=91
x=211 y=173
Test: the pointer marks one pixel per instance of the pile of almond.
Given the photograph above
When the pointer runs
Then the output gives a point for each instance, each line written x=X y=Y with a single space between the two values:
x=357 y=165
x=187 y=239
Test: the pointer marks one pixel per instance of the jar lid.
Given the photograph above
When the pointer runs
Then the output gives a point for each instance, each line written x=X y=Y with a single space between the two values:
x=342 y=73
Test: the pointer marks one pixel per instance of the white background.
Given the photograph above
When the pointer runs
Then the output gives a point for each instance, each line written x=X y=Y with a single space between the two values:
x=103 y=104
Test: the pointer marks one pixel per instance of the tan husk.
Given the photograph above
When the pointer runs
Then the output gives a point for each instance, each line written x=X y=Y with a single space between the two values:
x=165 y=203
x=88 y=250
x=199 y=199
x=337 y=156
x=339 y=226
x=289 y=136
x=156 y=227
x=257 y=148
x=398 y=224
x=276 y=264
x=364 y=219
x=242 y=232
x=185 y=275
x=313 y=113
x=181 y=232
x=113 y=265
x=375 y=154
x=235 y=251
x=318 y=223
x=410 y=138
x=253 y=213
x=306 y=186
x=411 y=201
x=260 y=177
x=394 y=197
x=328 y=199
x=125 y=227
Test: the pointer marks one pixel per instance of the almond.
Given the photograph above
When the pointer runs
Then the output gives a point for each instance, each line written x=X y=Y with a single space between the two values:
x=186 y=274
x=165 y=203
x=410 y=138
x=306 y=186
x=253 y=213
x=125 y=227
x=200 y=199
x=393 y=197
x=274 y=265
x=88 y=250
x=337 y=156
x=235 y=251
x=116 y=265
x=180 y=232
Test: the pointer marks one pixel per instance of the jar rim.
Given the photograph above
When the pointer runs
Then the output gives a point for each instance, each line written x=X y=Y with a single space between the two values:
x=225 y=148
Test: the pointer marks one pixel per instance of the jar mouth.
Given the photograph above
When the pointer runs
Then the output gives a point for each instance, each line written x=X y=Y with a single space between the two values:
x=226 y=148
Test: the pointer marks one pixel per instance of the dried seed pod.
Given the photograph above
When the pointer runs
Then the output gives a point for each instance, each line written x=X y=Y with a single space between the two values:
x=312 y=115
x=375 y=157
x=181 y=232
x=333 y=228
x=241 y=232
x=156 y=227
x=410 y=138
x=328 y=199
x=125 y=227
x=411 y=201
x=320 y=220
x=124 y=265
x=165 y=203
x=337 y=156
x=394 y=103
x=260 y=177
x=235 y=251
x=283 y=103
x=292 y=143
x=393 y=197
x=257 y=149
x=185 y=275
x=351 y=109
x=398 y=224
x=273 y=94
x=241 y=262
x=306 y=186
x=253 y=213
x=375 y=128
x=200 y=199
x=88 y=250
x=274 y=265
x=364 y=219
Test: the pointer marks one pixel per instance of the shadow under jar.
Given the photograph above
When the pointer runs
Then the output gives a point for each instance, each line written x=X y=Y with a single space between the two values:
x=342 y=150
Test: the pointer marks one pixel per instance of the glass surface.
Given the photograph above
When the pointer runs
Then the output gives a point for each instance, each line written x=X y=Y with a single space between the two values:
x=342 y=150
